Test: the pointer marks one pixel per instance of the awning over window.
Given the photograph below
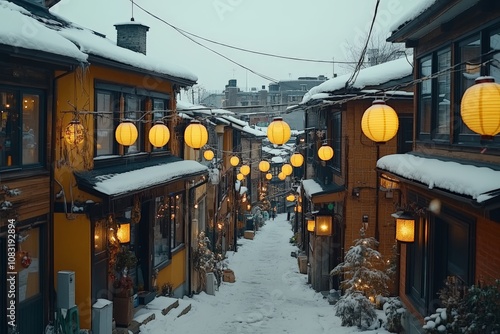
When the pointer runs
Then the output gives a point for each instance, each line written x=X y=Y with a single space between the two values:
x=133 y=177
x=319 y=193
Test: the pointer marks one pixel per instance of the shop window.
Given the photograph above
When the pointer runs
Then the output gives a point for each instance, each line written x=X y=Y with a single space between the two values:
x=161 y=245
x=21 y=129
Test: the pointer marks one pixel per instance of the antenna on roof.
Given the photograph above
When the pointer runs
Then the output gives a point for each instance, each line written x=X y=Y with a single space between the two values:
x=132 y=18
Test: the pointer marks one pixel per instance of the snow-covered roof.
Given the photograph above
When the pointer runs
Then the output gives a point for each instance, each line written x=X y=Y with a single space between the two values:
x=311 y=187
x=370 y=76
x=186 y=106
x=460 y=178
x=413 y=10
x=58 y=36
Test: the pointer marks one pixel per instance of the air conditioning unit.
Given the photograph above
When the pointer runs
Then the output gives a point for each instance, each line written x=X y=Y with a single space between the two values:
x=211 y=284
x=65 y=289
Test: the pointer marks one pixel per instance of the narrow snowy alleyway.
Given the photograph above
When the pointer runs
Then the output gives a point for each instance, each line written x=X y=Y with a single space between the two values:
x=269 y=295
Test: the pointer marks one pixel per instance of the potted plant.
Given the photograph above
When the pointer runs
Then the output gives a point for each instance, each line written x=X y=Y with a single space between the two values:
x=123 y=285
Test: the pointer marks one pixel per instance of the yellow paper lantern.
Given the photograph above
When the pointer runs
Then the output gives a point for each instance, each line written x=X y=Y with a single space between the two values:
x=240 y=176
x=287 y=169
x=264 y=166
x=126 y=133
x=159 y=135
x=196 y=135
x=269 y=176
x=234 y=161
x=208 y=155
x=281 y=176
x=290 y=198
x=73 y=134
x=123 y=233
x=380 y=122
x=245 y=170
x=480 y=107
x=297 y=159
x=405 y=227
x=278 y=131
x=325 y=152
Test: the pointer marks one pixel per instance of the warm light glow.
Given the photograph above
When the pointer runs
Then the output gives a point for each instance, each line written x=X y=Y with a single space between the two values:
x=290 y=198
x=287 y=169
x=159 y=135
x=278 y=131
x=264 y=166
x=126 y=133
x=380 y=122
x=311 y=224
x=123 y=233
x=208 y=155
x=234 y=161
x=73 y=133
x=388 y=183
x=249 y=207
x=245 y=170
x=240 y=176
x=299 y=208
x=196 y=135
x=269 y=176
x=297 y=159
x=480 y=107
x=405 y=227
x=281 y=176
x=325 y=152
x=323 y=225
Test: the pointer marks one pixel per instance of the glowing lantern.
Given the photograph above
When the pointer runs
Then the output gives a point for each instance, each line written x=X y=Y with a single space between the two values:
x=323 y=225
x=123 y=233
x=480 y=107
x=311 y=225
x=73 y=133
x=264 y=166
x=405 y=227
x=325 y=152
x=234 y=161
x=208 y=155
x=380 y=122
x=126 y=133
x=245 y=169
x=281 y=176
x=278 y=131
x=159 y=135
x=290 y=198
x=196 y=135
x=269 y=176
x=297 y=159
x=240 y=176
x=287 y=169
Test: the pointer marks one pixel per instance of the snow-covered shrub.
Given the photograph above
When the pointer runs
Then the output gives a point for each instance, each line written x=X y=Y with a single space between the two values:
x=394 y=311
x=354 y=309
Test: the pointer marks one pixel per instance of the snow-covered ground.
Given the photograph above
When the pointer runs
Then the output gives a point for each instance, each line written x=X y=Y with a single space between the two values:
x=269 y=295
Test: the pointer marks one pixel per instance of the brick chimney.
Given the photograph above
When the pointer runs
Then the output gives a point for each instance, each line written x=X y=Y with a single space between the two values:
x=132 y=36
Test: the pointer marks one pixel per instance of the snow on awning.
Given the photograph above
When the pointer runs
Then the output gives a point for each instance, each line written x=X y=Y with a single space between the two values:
x=478 y=182
x=133 y=177
x=318 y=193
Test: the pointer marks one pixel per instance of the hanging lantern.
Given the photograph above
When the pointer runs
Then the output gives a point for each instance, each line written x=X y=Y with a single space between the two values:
x=73 y=134
x=281 y=176
x=196 y=135
x=290 y=198
x=123 y=233
x=287 y=169
x=297 y=159
x=380 y=122
x=405 y=227
x=234 y=161
x=325 y=152
x=299 y=208
x=208 y=155
x=323 y=224
x=269 y=176
x=126 y=133
x=245 y=170
x=264 y=166
x=278 y=132
x=480 y=107
x=159 y=135
x=311 y=225
x=240 y=176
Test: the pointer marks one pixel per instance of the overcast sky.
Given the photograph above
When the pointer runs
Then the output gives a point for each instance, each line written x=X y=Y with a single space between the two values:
x=316 y=29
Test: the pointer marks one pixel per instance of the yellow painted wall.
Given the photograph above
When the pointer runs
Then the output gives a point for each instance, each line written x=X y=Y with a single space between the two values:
x=72 y=252
x=175 y=273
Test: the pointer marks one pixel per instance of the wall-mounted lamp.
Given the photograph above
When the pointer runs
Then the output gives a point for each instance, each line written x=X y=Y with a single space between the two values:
x=323 y=224
x=123 y=232
x=310 y=224
x=405 y=226
x=355 y=192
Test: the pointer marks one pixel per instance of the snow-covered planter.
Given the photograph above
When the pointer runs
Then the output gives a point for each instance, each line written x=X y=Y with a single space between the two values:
x=394 y=311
